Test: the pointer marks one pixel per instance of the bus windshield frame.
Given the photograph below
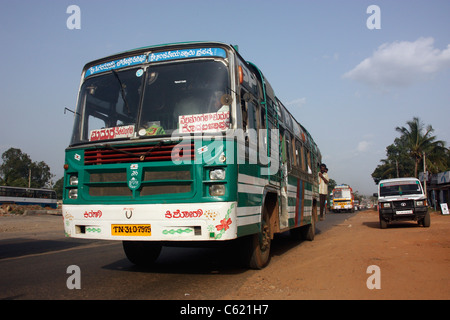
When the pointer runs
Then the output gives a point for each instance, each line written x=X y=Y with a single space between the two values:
x=156 y=99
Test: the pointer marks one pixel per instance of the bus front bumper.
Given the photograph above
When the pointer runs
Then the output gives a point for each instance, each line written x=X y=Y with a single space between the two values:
x=152 y=222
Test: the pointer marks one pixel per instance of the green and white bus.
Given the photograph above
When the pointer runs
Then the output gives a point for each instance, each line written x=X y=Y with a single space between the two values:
x=186 y=143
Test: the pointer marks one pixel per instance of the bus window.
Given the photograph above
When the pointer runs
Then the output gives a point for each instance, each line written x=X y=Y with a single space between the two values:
x=262 y=110
x=298 y=148
x=294 y=154
x=244 y=114
x=152 y=102
x=95 y=123
x=308 y=161
x=252 y=115
x=288 y=150
x=302 y=156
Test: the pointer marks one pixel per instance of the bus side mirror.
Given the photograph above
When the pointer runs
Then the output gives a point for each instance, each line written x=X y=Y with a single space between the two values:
x=375 y=195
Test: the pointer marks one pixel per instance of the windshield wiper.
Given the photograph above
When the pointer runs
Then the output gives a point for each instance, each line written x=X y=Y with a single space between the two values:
x=122 y=91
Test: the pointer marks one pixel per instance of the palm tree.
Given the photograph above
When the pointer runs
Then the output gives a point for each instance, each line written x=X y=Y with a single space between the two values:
x=419 y=139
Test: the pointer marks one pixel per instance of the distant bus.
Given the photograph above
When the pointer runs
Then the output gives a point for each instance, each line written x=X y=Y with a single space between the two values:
x=343 y=199
x=185 y=144
x=28 y=196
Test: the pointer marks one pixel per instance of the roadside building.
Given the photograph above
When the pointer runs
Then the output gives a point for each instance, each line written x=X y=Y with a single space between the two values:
x=438 y=188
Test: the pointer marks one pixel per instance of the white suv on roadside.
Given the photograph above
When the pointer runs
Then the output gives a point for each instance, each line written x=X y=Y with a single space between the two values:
x=402 y=199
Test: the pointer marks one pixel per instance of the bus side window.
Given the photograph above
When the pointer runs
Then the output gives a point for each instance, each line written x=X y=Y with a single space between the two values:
x=249 y=112
x=298 y=149
x=244 y=114
x=308 y=159
x=288 y=150
x=303 y=157
x=252 y=115
x=262 y=111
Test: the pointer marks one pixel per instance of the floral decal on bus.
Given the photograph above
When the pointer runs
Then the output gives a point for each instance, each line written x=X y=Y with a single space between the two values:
x=225 y=223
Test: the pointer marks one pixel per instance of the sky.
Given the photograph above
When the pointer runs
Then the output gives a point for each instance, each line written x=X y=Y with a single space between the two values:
x=348 y=73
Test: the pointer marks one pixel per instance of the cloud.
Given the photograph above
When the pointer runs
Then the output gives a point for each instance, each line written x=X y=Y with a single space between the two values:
x=363 y=146
x=401 y=63
x=298 y=103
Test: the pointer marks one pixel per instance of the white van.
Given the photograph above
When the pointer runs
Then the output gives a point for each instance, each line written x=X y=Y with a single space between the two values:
x=402 y=199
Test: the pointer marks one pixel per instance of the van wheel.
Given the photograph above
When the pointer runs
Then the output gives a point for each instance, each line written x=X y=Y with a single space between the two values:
x=142 y=253
x=383 y=223
x=426 y=221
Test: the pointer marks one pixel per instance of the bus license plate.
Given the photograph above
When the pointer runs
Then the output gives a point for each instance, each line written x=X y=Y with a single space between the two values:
x=131 y=230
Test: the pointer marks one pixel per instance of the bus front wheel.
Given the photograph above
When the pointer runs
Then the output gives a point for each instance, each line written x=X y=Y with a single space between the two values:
x=142 y=253
x=260 y=245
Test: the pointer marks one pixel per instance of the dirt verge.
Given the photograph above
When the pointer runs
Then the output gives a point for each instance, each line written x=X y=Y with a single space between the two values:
x=413 y=263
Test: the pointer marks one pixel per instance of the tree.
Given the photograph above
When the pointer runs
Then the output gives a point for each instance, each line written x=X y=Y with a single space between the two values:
x=59 y=187
x=397 y=164
x=17 y=170
x=418 y=140
x=405 y=155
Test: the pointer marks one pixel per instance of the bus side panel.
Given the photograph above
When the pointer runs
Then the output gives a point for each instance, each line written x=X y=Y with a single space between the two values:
x=308 y=203
x=250 y=199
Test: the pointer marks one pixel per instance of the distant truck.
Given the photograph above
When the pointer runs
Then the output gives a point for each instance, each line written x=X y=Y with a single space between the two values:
x=343 y=199
x=402 y=199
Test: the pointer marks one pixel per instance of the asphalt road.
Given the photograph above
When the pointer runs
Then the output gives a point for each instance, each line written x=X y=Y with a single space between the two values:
x=36 y=264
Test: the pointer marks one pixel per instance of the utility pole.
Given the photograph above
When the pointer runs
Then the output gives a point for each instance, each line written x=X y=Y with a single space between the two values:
x=396 y=165
x=425 y=175
x=29 y=178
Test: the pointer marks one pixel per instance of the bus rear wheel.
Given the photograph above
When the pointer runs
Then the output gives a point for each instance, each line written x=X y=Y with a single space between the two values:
x=142 y=253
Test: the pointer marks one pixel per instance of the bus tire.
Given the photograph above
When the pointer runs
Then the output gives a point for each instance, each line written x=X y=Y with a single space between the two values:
x=260 y=245
x=142 y=253
x=308 y=232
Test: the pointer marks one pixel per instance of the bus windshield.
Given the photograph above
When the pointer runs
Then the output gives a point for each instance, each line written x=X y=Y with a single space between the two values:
x=342 y=193
x=186 y=96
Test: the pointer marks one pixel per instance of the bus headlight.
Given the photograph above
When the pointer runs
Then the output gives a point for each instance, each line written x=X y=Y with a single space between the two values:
x=73 y=194
x=217 y=190
x=73 y=180
x=217 y=174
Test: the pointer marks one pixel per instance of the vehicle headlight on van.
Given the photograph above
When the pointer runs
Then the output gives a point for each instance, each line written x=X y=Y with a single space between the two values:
x=217 y=174
x=217 y=190
x=421 y=203
x=385 y=205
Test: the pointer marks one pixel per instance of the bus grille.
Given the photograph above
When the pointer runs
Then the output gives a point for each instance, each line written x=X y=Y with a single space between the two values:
x=140 y=153
x=154 y=182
